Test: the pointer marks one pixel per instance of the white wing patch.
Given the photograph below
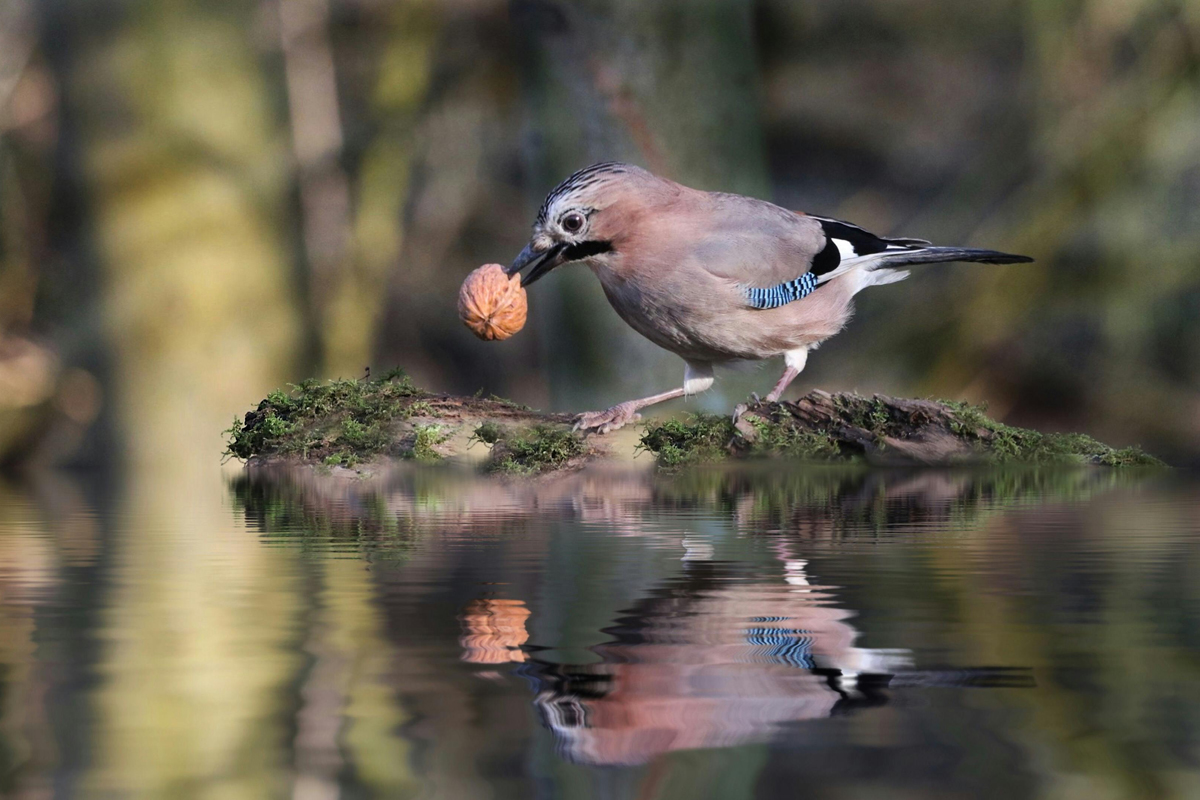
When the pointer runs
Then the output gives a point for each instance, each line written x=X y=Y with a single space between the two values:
x=846 y=249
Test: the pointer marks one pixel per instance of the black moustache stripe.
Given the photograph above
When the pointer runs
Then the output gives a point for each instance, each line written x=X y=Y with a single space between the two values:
x=583 y=250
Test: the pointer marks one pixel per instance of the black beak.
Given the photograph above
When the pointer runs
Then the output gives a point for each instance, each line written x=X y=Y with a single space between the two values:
x=542 y=262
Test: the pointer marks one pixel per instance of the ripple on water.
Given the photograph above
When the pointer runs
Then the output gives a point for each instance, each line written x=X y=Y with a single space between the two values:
x=975 y=633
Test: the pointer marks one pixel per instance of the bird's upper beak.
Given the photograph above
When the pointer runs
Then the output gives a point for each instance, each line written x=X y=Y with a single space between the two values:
x=542 y=261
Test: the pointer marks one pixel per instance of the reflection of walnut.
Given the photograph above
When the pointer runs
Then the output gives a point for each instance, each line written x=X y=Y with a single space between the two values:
x=495 y=631
x=491 y=303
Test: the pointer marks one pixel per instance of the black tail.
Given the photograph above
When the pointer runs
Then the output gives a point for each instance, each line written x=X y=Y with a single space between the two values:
x=936 y=255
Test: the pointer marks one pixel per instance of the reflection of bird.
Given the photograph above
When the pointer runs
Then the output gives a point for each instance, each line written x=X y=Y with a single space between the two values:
x=712 y=660
x=715 y=277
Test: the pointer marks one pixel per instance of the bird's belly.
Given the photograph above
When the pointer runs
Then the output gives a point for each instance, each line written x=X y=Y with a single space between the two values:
x=715 y=324
x=664 y=324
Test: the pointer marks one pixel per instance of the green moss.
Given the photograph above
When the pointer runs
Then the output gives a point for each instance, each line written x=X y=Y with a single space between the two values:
x=1007 y=444
x=343 y=422
x=267 y=430
x=504 y=401
x=793 y=441
x=869 y=413
x=362 y=437
x=418 y=408
x=695 y=439
x=346 y=418
x=488 y=433
x=527 y=451
x=427 y=437
x=1130 y=457
x=704 y=438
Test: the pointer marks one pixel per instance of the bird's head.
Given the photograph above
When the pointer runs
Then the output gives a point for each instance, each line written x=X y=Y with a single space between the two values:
x=577 y=221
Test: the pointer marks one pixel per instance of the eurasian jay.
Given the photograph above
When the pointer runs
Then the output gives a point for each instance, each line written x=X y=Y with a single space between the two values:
x=715 y=277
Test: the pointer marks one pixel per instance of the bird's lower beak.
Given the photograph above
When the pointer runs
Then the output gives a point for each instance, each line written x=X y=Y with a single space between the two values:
x=542 y=262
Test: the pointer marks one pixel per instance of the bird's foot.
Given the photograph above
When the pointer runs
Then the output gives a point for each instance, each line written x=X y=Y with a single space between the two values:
x=742 y=408
x=741 y=425
x=610 y=419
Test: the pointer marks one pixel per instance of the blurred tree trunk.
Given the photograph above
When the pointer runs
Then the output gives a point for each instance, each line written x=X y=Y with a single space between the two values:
x=380 y=181
x=672 y=86
x=316 y=133
x=352 y=186
x=182 y=163
x=182 y=159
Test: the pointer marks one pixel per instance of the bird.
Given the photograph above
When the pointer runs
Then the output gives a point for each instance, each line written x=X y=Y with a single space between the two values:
x=715 y=277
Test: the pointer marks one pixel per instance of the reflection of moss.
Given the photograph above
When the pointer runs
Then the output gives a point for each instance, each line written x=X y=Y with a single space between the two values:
x=286 y=511
x=526 y=451
x=829 y=499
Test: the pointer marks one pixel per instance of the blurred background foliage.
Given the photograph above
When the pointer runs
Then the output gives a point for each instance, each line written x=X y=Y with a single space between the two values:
x=200 y=201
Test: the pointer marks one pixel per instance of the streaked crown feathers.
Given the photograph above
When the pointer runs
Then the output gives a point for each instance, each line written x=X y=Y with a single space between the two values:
x=584 y=179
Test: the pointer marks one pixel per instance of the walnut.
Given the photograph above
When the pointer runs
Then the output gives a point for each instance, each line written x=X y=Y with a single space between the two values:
x=491 y=303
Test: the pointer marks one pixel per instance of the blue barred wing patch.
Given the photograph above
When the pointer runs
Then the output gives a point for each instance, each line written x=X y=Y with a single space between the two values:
x=782 y=294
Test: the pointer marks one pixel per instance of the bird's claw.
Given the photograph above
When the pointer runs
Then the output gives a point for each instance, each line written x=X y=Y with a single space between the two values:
x=741 y=425
x=742 y=408
x=611 y=419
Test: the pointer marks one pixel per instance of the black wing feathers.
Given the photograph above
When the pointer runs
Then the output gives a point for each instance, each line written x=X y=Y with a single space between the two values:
x=828 y=259
x=863 y=241
x=855 y=240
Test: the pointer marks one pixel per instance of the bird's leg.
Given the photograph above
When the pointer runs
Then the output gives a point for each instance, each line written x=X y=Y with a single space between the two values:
x=793 y=364
x=696 y=378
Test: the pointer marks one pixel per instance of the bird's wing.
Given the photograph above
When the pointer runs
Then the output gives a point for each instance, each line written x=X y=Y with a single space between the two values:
x=752 y=242
x=778 y=255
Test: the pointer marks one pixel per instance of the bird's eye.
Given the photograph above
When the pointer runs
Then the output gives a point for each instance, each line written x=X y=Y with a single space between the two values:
x=573 y=222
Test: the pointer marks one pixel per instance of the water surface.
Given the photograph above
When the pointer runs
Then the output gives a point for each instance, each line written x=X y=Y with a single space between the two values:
x=758 y=632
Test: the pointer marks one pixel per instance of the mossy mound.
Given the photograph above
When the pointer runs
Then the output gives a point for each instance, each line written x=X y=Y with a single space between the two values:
x=878 y=429
x=345 y=423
